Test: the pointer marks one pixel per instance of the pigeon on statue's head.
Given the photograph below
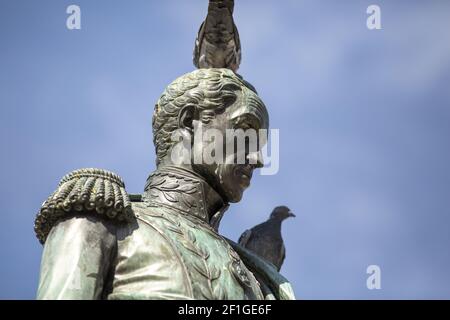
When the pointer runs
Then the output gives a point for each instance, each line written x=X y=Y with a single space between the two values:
x=217 y=44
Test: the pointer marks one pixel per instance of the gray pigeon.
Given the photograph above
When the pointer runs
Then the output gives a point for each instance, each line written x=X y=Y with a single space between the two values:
x=217 y=44
x=265 y=239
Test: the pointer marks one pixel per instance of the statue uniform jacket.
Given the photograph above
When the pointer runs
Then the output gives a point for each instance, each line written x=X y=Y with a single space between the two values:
x=161 y=245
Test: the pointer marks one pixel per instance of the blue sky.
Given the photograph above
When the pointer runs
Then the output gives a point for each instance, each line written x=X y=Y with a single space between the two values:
x=364 y=119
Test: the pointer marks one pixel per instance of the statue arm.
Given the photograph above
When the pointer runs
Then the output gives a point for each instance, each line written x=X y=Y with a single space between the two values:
x=77 y=257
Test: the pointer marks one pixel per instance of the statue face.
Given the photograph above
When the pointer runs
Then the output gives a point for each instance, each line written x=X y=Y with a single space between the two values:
x=230 y=177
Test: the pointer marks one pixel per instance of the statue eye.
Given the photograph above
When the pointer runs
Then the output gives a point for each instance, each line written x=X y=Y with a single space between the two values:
x=245 y=125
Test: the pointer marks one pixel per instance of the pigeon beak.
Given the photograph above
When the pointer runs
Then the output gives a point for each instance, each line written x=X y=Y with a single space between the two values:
x=290 y=214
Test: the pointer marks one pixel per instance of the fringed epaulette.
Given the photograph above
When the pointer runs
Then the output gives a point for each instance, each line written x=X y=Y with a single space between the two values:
x=87 y=191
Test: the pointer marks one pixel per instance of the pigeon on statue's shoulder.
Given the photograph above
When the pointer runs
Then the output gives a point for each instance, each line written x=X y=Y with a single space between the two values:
x=265 y=239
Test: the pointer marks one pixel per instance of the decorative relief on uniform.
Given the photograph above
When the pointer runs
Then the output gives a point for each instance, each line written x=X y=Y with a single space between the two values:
x=199 y=266
x=94 y=191
x=179 y=191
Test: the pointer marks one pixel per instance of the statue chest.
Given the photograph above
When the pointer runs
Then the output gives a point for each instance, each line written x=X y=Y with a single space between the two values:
x=202 y=265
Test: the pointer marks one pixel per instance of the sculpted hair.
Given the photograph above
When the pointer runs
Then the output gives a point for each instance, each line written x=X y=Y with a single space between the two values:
x=209 y=91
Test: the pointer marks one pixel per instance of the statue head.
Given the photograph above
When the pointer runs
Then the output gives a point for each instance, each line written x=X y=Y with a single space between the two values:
x=211 y=100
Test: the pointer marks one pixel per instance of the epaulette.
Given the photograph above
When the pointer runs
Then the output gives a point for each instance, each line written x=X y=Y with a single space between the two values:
x=84 y=191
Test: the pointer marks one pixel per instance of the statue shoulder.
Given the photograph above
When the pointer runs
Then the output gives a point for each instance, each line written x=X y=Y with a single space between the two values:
x=85 y=191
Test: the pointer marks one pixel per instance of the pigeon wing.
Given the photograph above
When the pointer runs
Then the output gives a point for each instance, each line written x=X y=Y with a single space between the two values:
x=282 y=257
x=245 y=237
x=198 y=44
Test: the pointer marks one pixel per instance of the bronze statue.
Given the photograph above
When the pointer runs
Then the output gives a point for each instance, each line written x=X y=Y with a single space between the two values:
x=103 y=243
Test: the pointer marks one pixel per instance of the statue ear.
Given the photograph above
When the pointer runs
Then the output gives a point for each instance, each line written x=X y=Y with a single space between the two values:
x=186 y=117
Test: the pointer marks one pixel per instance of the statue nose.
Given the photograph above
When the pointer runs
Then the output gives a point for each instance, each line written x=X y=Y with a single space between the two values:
x=256 y=159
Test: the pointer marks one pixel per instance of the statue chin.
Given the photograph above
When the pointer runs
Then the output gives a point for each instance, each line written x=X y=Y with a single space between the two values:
x=234 y=195
x=225 y=179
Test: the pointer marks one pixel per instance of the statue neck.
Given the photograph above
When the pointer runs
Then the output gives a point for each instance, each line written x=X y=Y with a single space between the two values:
x=185 y=191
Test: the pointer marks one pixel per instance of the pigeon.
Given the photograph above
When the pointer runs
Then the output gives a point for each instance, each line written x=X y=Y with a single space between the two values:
x=265 y=239
x=217 y=44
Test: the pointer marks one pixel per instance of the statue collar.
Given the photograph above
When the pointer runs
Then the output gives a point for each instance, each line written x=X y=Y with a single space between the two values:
x=186 y=192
